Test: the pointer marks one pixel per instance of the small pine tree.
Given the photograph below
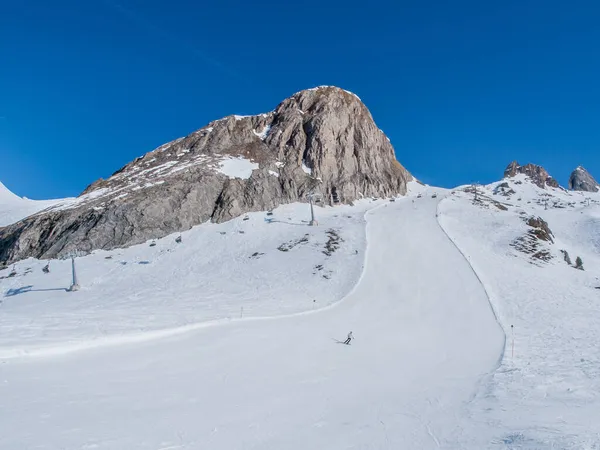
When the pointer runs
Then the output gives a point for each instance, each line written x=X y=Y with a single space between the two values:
x=579 y=263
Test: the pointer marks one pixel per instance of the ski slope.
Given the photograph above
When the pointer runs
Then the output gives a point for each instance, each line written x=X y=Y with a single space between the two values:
x=545 y=394
x=257 y=265
x=426 y=340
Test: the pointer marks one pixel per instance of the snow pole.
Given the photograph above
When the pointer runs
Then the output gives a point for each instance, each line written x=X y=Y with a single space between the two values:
x=75 y=285
x=312 y=197
x=512 y=330
x=241 y=312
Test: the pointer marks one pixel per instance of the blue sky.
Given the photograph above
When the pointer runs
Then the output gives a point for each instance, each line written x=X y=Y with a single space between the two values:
x=461 y=88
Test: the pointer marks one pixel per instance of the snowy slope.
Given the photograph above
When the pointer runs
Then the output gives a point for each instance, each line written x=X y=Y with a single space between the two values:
x=14 y=208
x=420 y=352
x=548 y=394
x=266 y=264
x=229 y=339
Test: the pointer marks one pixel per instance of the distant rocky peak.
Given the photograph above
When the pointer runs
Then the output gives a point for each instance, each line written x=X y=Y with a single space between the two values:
x=581 y=180
x=537 y=174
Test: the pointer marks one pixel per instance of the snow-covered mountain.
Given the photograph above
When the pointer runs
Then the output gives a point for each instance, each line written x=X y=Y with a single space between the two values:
x=319 y=140
x=14 y=208
x=475 y=314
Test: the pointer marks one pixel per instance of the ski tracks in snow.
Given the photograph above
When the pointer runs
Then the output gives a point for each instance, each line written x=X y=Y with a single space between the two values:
x=424 y=335
x=152 y=335
x=483 y=285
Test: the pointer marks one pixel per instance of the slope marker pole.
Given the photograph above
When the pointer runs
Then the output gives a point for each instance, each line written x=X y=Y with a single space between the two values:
x=512 y=329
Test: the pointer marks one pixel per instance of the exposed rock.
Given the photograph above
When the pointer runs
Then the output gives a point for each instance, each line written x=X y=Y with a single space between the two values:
x=287 y=246
x=581 y=180
x=484 y=201
x=333 y=242
x=321 y=139
x=537 y=174
x=532 y=243
x=540 y=229
x=504 y=189
x=566 y=257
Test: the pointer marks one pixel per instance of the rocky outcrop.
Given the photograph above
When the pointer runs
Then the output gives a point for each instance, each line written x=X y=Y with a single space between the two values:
x=536 y=241
x=319 y=140
x=504 y=189
x=537 y=174
x=581 y=180
x=540 y=229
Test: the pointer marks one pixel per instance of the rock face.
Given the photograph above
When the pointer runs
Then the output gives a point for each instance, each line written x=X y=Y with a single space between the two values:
x=537 y=174
x=322 y=139
x=581 y=180
x=536 y=241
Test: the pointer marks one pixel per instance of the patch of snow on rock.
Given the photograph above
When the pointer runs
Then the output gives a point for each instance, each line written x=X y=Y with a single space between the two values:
x=264 y=133
x=237 y=167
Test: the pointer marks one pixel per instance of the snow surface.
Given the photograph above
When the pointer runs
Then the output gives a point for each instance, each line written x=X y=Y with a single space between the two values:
x=134 y=291
x=548 y=394
x=225 y=341
x=264 y=133
x=14 y=208
x=237 y=167
x=419 y=352
x=307 y=170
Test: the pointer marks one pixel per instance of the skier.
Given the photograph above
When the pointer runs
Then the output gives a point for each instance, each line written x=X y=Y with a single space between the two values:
x=347 y=341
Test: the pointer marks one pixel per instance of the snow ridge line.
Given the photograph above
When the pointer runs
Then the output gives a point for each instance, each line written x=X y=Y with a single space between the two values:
x=485 y=289
x=146 y=336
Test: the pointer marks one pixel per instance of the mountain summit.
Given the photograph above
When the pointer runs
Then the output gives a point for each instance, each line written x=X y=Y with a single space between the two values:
x=537 y=174
x=582 y=180
x=319 y=140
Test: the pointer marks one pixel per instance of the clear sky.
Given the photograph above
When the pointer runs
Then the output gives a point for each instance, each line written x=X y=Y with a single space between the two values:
x=460 y=87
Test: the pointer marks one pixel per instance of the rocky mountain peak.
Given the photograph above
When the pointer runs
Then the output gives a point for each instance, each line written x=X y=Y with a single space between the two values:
x=537 y=174
x=319 y=140
x=582 y=180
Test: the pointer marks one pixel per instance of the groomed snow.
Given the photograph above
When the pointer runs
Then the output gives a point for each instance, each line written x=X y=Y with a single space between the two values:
x=546 y=395
x=276 y=261
x=421 y=348
x=231 y=340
